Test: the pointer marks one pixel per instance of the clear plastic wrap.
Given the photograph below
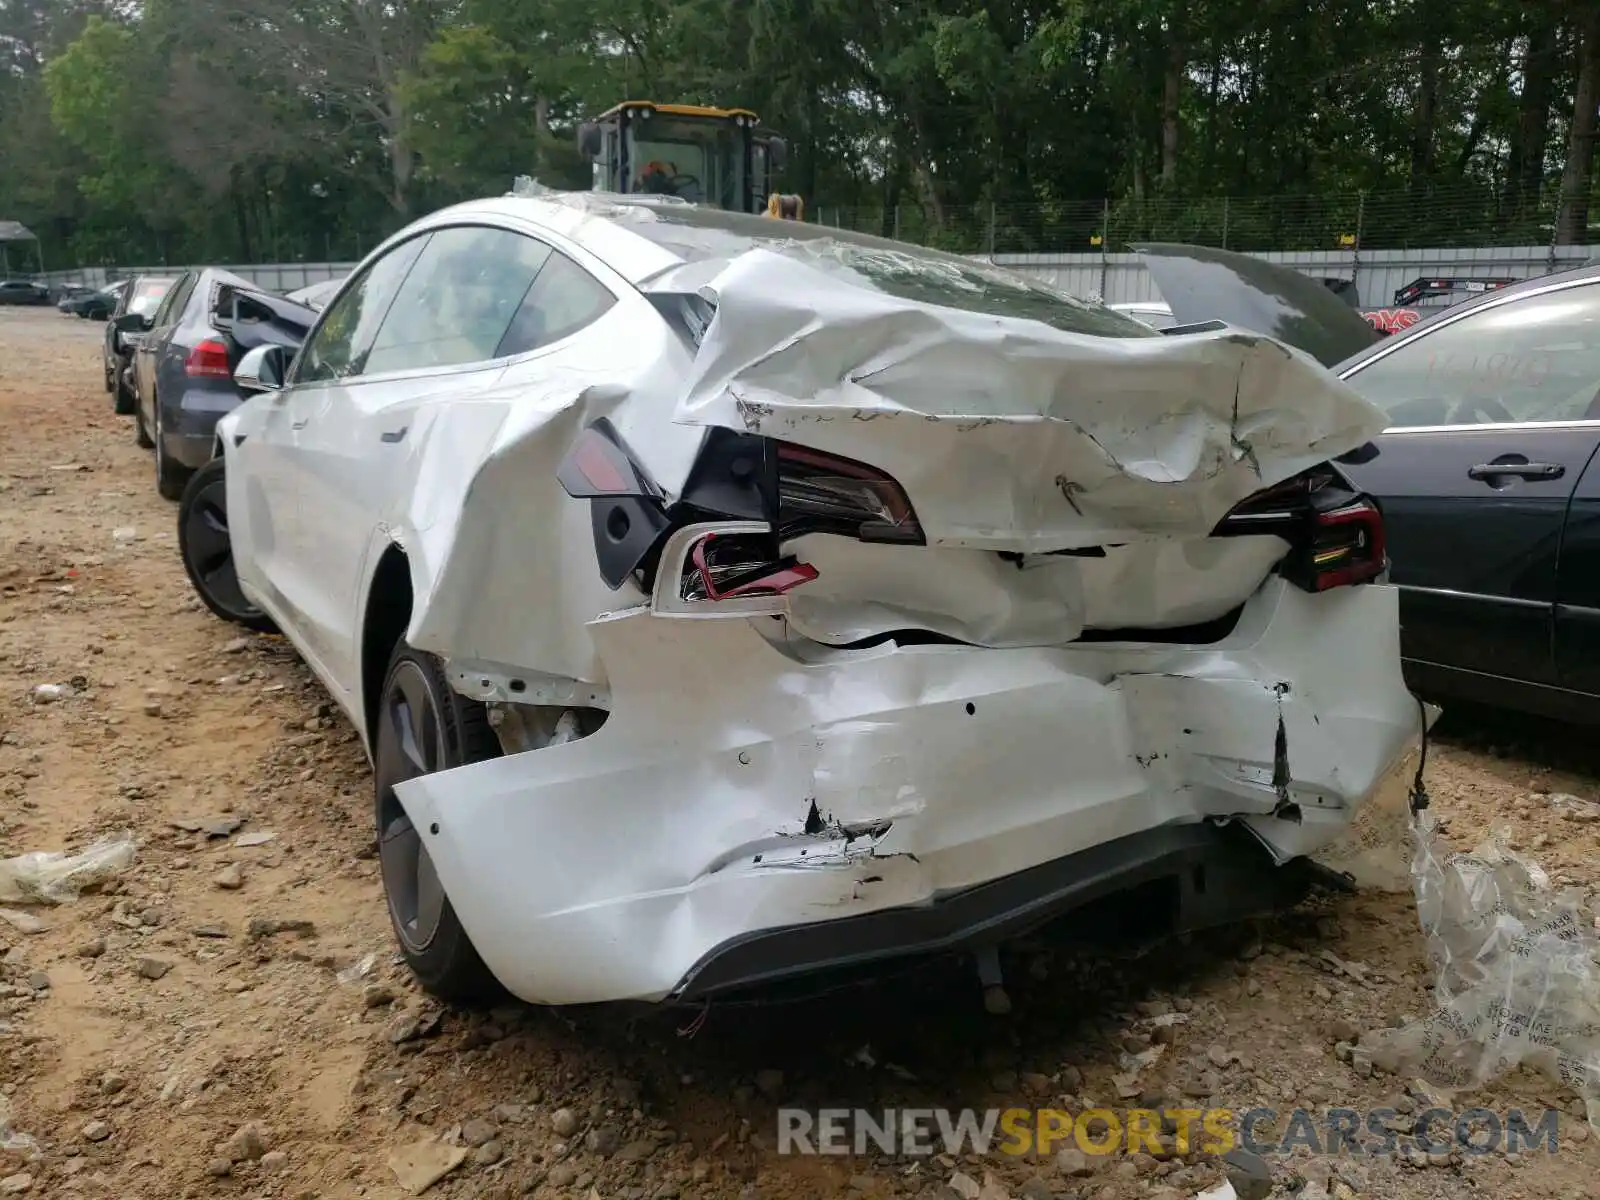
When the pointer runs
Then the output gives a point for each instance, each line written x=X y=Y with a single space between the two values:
x=1517 y=981
x=13 y=1141
x=51 y=877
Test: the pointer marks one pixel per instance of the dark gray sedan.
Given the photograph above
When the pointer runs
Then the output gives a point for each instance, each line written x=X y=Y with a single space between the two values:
x=23 y=291
x=1488 y=476
x=184 y=359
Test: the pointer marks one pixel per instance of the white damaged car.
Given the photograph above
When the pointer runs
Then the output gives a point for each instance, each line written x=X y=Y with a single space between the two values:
x=723 y=598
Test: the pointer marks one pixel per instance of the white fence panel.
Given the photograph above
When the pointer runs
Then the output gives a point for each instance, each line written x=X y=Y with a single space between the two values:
x=1115 y=278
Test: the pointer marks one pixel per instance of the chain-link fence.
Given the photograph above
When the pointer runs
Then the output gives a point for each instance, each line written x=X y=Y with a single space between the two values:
x=1435 y=217
x=1429 y=229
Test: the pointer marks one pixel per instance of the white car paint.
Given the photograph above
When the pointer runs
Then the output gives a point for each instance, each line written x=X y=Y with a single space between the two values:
x=681 y=826
x=607 y=867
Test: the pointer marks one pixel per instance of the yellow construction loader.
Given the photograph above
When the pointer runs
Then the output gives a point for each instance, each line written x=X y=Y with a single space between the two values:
x=714 y=156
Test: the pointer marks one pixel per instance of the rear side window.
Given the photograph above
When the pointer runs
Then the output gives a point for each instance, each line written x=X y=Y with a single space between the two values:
x=563 y=299
x=458 y=301
x=1536 y=359
x=338 y=347
x=173 y=304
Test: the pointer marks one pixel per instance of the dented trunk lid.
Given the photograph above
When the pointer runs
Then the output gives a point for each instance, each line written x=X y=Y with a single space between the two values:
x=1007 y=433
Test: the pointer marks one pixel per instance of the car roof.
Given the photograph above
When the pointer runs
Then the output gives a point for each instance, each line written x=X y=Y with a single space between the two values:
x=603 y=223
x=1533 y=286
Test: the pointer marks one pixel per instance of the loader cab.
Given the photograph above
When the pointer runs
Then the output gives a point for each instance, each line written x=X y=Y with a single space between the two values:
x=713 y=156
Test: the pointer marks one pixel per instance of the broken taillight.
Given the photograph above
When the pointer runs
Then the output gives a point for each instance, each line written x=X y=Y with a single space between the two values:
x=1347 y=546
x=1335 y=535
x=823 y=493
x=727 y=568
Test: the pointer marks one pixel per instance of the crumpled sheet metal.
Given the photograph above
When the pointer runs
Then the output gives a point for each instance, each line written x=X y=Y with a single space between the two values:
x=1006 y=433
x=1010 y=434
x=1518 y=974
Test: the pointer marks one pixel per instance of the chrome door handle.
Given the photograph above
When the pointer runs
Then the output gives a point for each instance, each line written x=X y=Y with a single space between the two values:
x=1522 y=470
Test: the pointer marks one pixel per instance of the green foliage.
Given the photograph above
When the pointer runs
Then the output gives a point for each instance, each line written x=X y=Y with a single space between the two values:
x=239 y=129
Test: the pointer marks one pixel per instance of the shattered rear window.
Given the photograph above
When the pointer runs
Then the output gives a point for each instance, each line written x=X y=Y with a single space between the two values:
x=894 y=268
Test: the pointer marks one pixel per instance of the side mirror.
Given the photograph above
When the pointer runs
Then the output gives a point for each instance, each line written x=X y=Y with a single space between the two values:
x=130 y=323
x=777 y=154
x=589 y=139
x=262 y=369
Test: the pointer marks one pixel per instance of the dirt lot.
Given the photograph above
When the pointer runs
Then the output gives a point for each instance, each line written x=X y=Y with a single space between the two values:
x=157 y=1039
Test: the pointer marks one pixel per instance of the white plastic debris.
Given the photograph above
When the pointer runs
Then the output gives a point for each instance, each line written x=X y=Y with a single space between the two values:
x=47 y=693
x=123 y=534
x=1518 y=974
x=11 y=1140
x=51 y=877
x=357 y=971
x=1223 y=1191
x=22 y=922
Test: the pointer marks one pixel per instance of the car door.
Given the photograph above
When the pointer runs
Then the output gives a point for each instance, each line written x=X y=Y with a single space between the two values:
x=146 y=353
x=1493 y=426
x=333 y=353
x=477 y=297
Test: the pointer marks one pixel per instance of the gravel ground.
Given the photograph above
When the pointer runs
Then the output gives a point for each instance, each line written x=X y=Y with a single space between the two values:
x=226 y=1018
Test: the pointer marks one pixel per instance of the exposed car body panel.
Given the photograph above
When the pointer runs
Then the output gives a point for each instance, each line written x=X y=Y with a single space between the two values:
x=917 y=720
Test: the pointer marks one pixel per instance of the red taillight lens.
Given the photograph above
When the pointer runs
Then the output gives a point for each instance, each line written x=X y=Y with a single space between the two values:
x=1347 y=546
x=823 y=493
x=208 y=359
x=1336 y=535
x=727 y=568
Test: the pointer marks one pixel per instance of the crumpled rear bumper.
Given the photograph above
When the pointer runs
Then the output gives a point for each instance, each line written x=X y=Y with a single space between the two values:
x=739 y=789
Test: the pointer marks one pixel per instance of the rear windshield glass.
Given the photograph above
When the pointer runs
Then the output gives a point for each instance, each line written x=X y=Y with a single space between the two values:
x=895 y=268
x=147 y=296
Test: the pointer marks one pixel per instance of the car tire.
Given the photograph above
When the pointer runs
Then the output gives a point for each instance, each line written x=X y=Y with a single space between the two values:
x=110 y=380
x=171 y=477
x=443 y=729
x=122 y=397
x=206 y=549
x=141 y=435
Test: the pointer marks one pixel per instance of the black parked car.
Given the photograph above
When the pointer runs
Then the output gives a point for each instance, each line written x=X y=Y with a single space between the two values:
x=69 y=292
x=1488 y=476
x=143 y=296
x=23 y=291
x=98 y=305
x=183 y=363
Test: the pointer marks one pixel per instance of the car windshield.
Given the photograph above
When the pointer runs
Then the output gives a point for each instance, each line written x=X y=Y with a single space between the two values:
x=147 y=296
x=895 y=268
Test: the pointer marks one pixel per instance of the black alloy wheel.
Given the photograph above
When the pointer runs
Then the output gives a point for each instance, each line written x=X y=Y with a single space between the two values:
x=206 y=548
x=425 y=726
